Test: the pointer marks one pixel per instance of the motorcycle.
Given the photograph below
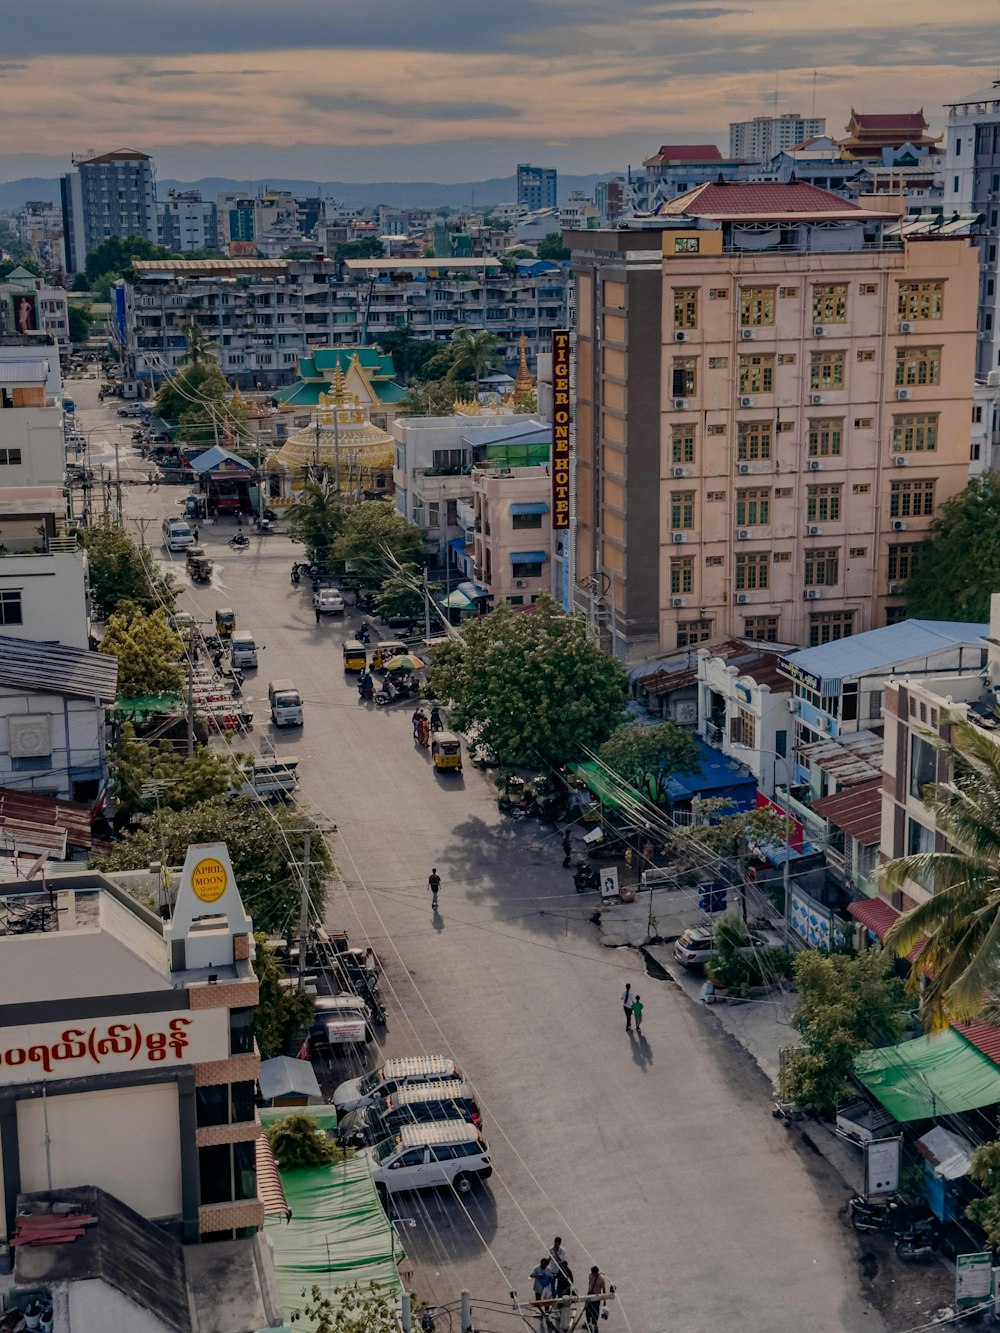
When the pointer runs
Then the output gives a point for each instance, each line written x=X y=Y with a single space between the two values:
x=364 y=635
x=585 y=877
x=437 y=722
x=239 y=542
x=869 y=1216
x=366 y=688
x=919 y=1240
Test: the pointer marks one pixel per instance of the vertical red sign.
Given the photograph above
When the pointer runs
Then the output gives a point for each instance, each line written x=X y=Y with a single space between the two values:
x=560 y=428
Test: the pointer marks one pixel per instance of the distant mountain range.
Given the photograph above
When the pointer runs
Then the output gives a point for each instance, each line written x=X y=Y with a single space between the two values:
x=396 y=194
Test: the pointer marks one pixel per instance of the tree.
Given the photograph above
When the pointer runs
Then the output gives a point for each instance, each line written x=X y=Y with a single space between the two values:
x=538 y=690
x=985 y=1171
x=181 y=782
x=81 y=319
x=199 y=346
x=353 y=1309
x=316 y=519
x=375 y=538
x=433 y=398
x=7 y=266
x=369 y=247
x=551 y=247
x=119 y=571
x=114 y=257
x=401 y=594
x=409 y=353
x=960 y=922
x=197 y=399
x=845 y=1006
x=263 y=845
x=297 y=1142
x=473 y=354
x=147 y=649
x=959 y=564
x=282 y=1013
x=727 y=832
x=186 y=391
x=647 y=756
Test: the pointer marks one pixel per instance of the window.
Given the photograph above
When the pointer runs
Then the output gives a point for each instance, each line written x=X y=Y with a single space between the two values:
x=715 y=560
x=875 y=702
x=866 y=353
x=216 y=1173
x=756 y=306
x=918 y=838
x=823 y=503
x=916 y=432
x=911 y=499
x=528 y=571
x=918 y=365
x=243 y=1101
x=756 y=374
x=241 y=1031
x=923 y=765
x=822 y=568
x=826 y=626
x=753 y=507
x=212 y=1105
x=685 y=376
x=826 y=437
x=10 y=457
x=10 y=607
x=826 y=371
x=717 y=429
x=690 y=632
x=903 y=560
x=682 y=443
x=784 y=493
x=920 y=300
x=685 y=307
x=786 y=292
x=687 y=245
x=858 y=552
x=446 y=460
x=752 y=571
x=753 y=440
x=682 y=509
x=786 y=358
x=861 y=488
x=762 y=628
x=743 y=728
x=830 y=303
x=682 y=574
x=526 y=520
x=864 y=423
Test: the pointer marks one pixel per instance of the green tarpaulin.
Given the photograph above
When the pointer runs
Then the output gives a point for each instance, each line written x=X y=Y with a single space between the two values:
x=144 y=706
x=605 y=786
x=930 y=1076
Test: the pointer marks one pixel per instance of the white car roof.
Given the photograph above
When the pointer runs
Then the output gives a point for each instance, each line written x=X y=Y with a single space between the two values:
x=436 y=1131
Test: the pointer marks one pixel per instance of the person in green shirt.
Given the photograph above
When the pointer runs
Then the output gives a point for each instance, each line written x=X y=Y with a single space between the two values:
x=637 y=1008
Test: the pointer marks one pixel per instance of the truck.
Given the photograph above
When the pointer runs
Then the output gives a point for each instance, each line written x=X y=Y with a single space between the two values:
x=286 y=703
x=339 y=1021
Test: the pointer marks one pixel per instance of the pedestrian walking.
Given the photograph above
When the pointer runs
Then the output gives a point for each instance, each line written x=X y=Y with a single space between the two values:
x=562 y=1278
x=434 y=883
x=151 y=479
x=567 y=846
x=627 y=1005
x=541 y=1276
x=318 y=614
x=596 y=1286
x=415 y=720
x=637 y=1008
x=194 y=532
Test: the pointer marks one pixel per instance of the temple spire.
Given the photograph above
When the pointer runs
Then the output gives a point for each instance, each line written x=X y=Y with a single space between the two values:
x=523 y=383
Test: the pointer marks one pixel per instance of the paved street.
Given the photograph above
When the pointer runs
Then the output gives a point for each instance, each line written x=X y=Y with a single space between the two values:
x=656 y=1158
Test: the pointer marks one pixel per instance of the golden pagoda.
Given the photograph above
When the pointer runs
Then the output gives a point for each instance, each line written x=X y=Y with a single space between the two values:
x=523 y=383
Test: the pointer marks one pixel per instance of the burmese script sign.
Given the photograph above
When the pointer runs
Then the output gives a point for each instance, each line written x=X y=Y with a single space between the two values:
x=112 y=1045
x=560 y=428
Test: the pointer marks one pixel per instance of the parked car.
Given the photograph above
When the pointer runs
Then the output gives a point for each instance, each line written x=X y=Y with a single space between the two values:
x=417 y=1104
x=329 y=601
x=696 y=946
x=447 y=1152
x=392 y=1074
x=131 y=410
x=340 y=1021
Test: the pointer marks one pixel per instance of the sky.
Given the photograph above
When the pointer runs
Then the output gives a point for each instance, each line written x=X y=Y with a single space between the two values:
x=454 y=90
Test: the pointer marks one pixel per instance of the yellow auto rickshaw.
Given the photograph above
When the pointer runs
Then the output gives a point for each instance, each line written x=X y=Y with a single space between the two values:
x=198 y=567
x=355 y=655
x=385 y=650
x=446 y=751
x=225 y=621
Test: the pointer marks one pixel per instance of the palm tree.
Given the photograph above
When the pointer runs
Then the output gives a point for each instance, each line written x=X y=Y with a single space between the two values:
x=317 y=518
x=960 y=924
x=475 y=352
x=199 y=346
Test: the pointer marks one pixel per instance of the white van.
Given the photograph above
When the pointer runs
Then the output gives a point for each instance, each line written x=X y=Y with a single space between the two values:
x=286 y=703
x=243 y=648
x=177 y=534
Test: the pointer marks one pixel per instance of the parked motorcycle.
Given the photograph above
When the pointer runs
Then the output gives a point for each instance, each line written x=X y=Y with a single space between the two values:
x=867 y=1215
x=585 y=877
x=919 y=1240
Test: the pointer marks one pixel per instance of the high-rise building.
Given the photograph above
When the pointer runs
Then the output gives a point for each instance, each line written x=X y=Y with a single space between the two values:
x=763 y=137
x=113 y=194
x=536 y=187
x=187 y=222
x=773 y=397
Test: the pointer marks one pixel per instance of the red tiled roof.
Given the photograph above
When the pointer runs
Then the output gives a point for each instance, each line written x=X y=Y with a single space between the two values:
x=764 y=200
x=874 y=913
x=687 y=152
x=984 y=1036
x=858 y=811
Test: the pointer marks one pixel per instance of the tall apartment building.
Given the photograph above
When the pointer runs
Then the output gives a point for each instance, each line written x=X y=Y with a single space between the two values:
x=187 y=222
x=760 y=139
x=113 y=194
x=773 y=397
x=40 y=228
x=536 y=187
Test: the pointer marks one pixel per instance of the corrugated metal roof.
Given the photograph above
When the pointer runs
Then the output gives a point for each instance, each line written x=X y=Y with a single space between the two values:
x=883 y=649
x=850 y=760
x=858 y=811
x=24 y=371
x=34 y=810
x=875 y=914
x=209 y=266
x=408 y=265
x=54 y=668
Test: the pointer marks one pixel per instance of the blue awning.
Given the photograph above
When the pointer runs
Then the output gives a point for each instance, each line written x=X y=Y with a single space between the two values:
x=219 y=459
x=527 y=557
x=457 y=544
x=536 y=507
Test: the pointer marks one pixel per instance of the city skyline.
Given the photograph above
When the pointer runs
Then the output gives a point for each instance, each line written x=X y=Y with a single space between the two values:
x=319 y=89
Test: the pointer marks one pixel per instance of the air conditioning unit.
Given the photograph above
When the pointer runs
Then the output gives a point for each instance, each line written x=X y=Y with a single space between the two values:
x=678 y=538
x=811 y=594
x=742 y=534
x=682 y=472
x=904 y=395
x=680 y=404
x=829 y=723
x=792 y=705
x=816 y=399
x=899 y=525
x=815 y=465
x=746 y=402
x=895 y=590
x=680 y=336
x=746 y=334
x=519 y=583
x=743 y=468
x=813 y=531
x=901 y=460
x=906 y=326
x=742 y=599
x=819 y=331
x=678 y=601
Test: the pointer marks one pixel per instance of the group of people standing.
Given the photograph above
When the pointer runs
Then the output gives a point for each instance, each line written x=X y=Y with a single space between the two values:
x=552 y=1279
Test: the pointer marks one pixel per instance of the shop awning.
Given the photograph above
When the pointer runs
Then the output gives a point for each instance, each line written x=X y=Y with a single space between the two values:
x=875 y=914
x=536 y=507
x=603 y=785
x=949 y=1154
x=929 y=1077
x=218 y=459
x=527 y=557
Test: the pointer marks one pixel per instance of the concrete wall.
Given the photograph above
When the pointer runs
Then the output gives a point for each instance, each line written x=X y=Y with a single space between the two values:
x=53 y=596
x=71 y=729
x=494 y=491
x=95 y=1305
x=37 y=432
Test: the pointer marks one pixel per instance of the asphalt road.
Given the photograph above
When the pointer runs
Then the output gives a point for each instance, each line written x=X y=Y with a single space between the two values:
x=656 y=1158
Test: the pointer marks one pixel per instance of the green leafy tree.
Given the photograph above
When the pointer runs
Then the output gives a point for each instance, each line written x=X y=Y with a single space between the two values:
x=474 y=354
x=81 y=320
x=180 y=782
x=353 y=1309
x=959 y=564
x=297 y=1142
x=845 y=1006
x=200 y=347
x=7 y=266
x=401 y=594
x=79 y=283
x=198 y=399
x=432 y=398
x=728 y=832
x=551 y=247
x=147 y=649
x=646 y=757
x=985 y=1171
x=960 y=922
x=409 y=353
x=374 y=538
x=119 y=571
x=282 y=1013
x=369 y=247
x=264 y=846
x=538 y=690
x=183 y=392
x=316 y=519
x=115 y=256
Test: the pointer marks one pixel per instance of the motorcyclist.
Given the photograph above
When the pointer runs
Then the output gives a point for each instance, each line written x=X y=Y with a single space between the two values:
x=364 y=634
x=296 y=576
x=437 y=721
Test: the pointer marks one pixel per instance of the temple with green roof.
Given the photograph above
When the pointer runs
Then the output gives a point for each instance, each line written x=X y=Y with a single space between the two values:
x=367 y=372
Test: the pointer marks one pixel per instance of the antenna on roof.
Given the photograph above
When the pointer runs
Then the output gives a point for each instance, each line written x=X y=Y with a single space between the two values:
x=812 y=113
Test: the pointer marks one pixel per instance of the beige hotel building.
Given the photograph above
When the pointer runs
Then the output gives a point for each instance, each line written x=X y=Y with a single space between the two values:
x=773 y=397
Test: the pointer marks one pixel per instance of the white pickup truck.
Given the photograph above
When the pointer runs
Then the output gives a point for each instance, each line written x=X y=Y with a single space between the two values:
x=286 y=703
